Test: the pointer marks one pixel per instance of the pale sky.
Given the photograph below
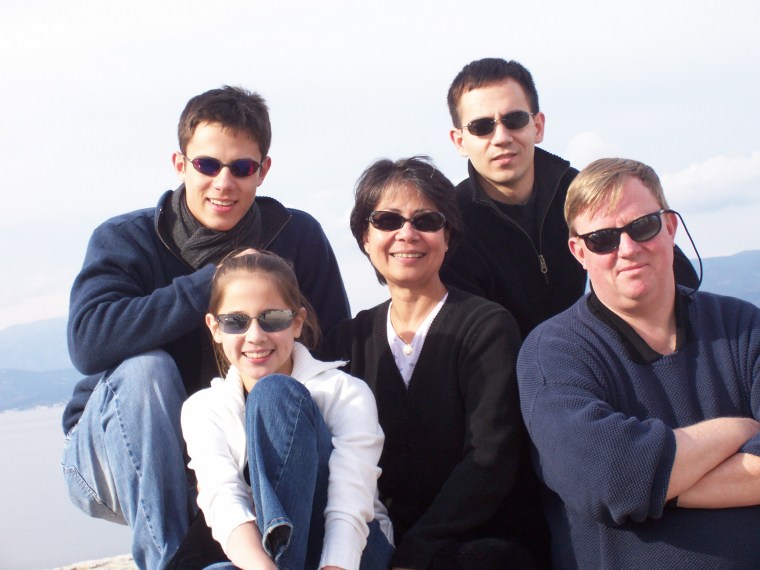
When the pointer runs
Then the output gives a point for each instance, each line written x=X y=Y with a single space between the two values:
x=92 y=92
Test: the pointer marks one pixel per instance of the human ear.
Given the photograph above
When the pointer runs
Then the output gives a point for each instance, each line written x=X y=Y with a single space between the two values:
x=178 y=161
x=578 y=251
x=456 y=136
x=213 y=326
x=540 y=121
x=298 y=322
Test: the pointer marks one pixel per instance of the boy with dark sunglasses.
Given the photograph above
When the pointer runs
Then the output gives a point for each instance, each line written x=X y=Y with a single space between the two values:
x=514 y=249
x=136 y=319
x=641 y=400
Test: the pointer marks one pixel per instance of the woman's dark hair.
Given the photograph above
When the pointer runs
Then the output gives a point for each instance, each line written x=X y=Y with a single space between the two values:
x=280 y=274
x=417 y=172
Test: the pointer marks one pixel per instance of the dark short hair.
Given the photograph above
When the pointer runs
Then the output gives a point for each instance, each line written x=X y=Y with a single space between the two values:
x=485 y=72
x=418 y=172
x=280 y=273
x=235 y=108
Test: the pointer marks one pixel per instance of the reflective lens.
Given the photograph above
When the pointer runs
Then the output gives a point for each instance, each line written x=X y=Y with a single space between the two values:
x=513 y=121
x=641 y=229
x=269 y=321
x=211 y=166
x=391 y=221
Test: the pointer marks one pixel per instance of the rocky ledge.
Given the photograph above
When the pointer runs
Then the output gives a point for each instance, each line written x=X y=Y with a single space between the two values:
x=116 y=563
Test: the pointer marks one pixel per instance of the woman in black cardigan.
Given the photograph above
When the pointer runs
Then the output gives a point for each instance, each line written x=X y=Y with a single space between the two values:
x=456 y=477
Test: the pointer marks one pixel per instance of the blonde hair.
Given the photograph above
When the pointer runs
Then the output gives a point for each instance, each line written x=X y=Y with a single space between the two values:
x=602 y=181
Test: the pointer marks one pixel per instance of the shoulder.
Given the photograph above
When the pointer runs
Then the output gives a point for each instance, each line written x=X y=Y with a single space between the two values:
x=732 y=312
x=469 y=307
x=142 y=218
x=571 y=327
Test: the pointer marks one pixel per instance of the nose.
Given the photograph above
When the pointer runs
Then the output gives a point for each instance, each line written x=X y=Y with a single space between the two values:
x=627 y=246
x=501 y=134
x=224 y=179
x=407 y=232
x=254 y=334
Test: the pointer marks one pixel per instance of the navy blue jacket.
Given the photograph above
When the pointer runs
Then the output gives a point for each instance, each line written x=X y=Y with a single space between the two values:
x=134 y=294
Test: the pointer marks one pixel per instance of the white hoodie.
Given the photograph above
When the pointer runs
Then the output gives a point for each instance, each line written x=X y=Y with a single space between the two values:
x=213 y=424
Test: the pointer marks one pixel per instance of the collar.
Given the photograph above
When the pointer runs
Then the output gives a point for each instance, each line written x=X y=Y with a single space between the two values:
x=639 y=351
x=549 y=171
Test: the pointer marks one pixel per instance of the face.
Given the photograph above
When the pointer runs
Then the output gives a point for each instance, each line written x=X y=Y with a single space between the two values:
x=406 y=257
x=219 y=202
x=504 y=158
x=636 y=274
x=255 y=353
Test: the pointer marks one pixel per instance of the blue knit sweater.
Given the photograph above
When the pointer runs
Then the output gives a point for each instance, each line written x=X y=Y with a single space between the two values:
x=602 y=429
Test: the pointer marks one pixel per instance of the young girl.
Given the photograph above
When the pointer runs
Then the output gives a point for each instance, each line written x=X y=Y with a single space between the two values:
x=285 y=447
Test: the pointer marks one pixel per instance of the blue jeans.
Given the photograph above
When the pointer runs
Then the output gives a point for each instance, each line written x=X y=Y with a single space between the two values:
x=124 y=460
x=289 y=446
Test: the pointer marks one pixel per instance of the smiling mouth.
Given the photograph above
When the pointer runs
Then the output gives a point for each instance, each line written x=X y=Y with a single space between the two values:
x=258 y=354
x=407 y=255
x=224 y=203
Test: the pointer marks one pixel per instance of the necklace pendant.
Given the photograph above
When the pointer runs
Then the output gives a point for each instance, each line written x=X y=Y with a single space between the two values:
x=407 y=349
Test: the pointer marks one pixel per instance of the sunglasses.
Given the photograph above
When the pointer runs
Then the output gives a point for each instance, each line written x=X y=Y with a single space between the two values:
x=641 y=229
x=274 y=320
x=513 y=121
x=391 y=221
x=239 y=168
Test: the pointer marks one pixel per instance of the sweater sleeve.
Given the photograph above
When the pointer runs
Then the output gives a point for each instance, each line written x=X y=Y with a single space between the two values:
x=304 y=242
x=223 y=495
x=603 y=463
x=117 y=307
x=350 y=413
x=477 y=486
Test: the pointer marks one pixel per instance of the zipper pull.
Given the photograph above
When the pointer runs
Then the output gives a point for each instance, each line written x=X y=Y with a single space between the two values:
x=544 y=267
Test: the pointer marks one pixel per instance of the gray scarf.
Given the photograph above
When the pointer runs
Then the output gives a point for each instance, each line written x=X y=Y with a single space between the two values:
x=198 y=245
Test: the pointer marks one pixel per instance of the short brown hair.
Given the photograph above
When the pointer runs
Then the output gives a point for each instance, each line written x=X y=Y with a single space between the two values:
x=603 y=180
x=234 y=108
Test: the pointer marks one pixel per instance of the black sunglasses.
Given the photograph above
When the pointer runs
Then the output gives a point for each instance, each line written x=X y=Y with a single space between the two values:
x=239 y=168
x=641 y=229
x=513 y=121
x=270 y=321
x=391 y=221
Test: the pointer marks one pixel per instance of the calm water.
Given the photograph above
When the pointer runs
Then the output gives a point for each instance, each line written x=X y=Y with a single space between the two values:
x=39 y=527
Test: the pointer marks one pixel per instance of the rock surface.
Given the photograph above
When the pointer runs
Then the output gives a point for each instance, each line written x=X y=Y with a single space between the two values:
x=124 y=562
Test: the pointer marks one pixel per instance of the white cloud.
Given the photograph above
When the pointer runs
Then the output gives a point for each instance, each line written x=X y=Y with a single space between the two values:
x=717 y=183
x=586 y=147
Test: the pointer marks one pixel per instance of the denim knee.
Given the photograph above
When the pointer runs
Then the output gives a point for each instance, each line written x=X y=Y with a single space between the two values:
x=139 y=375
x=276 y=392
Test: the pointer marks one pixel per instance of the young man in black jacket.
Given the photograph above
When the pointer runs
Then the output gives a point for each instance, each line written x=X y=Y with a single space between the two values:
x=514 y=250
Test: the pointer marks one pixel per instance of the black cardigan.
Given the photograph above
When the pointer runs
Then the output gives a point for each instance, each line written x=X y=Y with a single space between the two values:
x=455 y=464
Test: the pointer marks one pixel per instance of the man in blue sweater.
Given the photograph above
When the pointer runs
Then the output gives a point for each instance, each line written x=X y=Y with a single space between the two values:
x=136 y=318
x=642 y=399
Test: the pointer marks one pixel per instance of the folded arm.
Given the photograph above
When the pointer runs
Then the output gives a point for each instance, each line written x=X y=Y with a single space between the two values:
x=709 y=471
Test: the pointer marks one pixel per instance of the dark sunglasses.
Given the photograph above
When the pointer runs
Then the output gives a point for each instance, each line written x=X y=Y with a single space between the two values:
x=270 y=321
x=391 y=221
x=239 y=168
x=513 y=121
x=641 y=229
